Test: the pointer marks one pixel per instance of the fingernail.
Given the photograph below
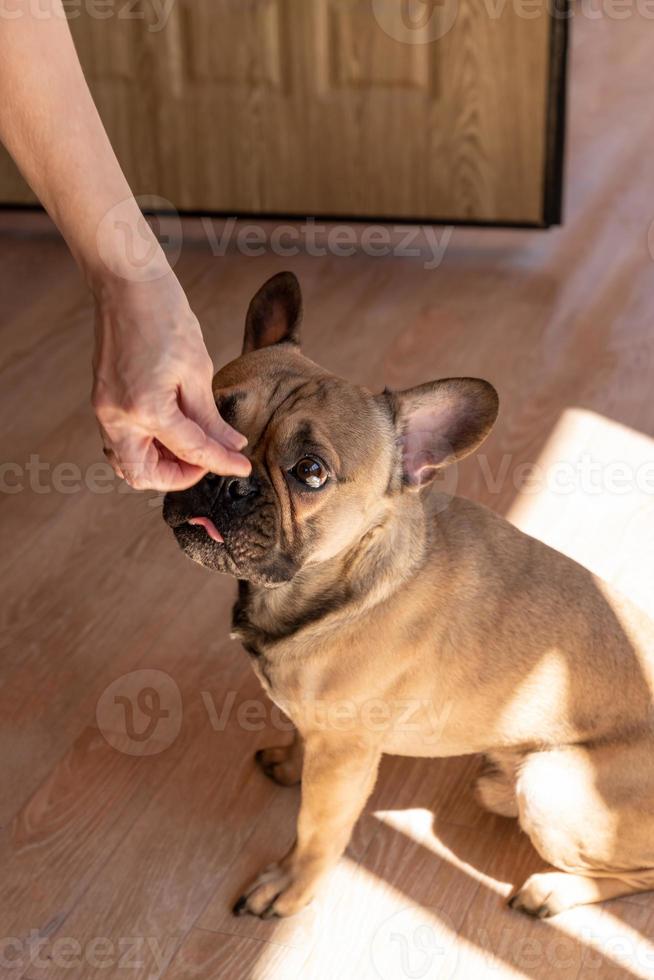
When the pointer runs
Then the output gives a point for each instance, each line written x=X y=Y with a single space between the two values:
x=243 y=470
x=237 y=440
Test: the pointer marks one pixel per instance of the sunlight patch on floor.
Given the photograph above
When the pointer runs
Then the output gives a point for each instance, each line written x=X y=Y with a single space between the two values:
x=366 y=927
x=592 y=497
x=417 y=825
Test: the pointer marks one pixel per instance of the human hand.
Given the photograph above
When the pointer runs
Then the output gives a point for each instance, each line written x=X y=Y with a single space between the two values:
x=152 y=388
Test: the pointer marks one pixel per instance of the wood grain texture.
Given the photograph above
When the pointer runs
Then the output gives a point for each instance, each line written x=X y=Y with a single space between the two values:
x=115 y=860
x=207 y=954
x=327 y=107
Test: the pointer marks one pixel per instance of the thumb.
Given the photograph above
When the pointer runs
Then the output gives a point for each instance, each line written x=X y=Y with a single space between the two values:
x=221 y=431
x=188 y=441
x=203 y=410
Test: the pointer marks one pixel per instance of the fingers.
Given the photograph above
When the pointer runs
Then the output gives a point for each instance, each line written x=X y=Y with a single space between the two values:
x=134 y=458
x=188 y=453
x=143 y=467
x=173 y=447
x=219 y=430
x=190 y=443
x=113 y=459
x=174 y=475
x=198 y=403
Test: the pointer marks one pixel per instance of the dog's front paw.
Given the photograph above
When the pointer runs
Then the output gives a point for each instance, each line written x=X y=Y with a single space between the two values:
x=277 y=891
x=282 y=764
x=549 y=893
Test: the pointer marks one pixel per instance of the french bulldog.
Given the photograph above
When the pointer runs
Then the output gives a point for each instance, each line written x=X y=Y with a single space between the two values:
x=385 y=616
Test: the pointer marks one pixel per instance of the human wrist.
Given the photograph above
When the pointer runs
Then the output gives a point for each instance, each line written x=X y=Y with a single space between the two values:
x=123 y=250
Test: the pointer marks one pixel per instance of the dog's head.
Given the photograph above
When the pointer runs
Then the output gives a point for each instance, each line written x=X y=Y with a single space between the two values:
x=328 y=457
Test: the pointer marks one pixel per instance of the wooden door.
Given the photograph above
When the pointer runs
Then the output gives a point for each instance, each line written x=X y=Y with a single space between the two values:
x=444 y=110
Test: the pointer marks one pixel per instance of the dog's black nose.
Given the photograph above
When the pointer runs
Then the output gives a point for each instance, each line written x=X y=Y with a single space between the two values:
x=238 y=488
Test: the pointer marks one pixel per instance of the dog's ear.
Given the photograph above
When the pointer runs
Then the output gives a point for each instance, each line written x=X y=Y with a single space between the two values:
x=440 y=422
x=274 y=314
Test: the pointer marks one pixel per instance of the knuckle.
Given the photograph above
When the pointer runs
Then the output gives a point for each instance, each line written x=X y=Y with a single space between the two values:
x=133 y=407
x=202 y=361
x=138 y=407
x=197 y=453
x=103 y=406
x=137 y=481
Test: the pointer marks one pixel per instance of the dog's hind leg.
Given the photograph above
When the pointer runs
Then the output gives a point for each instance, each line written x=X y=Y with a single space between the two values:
x=589 y=811
x=551 y=892
x=283 y=763
x=495 y=787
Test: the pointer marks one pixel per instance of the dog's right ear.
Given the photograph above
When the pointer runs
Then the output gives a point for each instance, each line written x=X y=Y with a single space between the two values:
x=274 y=314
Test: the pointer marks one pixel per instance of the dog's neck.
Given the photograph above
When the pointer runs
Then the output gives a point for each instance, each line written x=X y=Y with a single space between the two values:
x=358 y=578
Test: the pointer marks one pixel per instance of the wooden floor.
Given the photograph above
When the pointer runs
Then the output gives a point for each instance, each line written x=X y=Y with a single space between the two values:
x=116 y=864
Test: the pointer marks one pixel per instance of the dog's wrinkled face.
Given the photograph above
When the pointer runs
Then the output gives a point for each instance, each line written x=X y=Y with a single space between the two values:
x=326 y=455
x=320 y=450
x=320 y=454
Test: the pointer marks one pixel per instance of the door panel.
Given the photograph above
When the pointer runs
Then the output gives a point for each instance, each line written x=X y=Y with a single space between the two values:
x=399 y=109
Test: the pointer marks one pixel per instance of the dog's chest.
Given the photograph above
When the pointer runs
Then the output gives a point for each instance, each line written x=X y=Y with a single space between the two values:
x=263 y=651
x=284 y=664
x=254 y=645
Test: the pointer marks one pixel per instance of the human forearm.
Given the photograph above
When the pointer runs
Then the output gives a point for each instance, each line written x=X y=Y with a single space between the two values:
x=152 y=373
x=50 y=125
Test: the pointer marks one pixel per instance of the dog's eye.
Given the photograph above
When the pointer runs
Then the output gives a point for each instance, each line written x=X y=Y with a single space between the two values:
x=310 y=471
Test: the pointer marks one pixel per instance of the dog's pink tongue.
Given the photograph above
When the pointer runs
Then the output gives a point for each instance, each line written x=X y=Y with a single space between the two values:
x=208 y=525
